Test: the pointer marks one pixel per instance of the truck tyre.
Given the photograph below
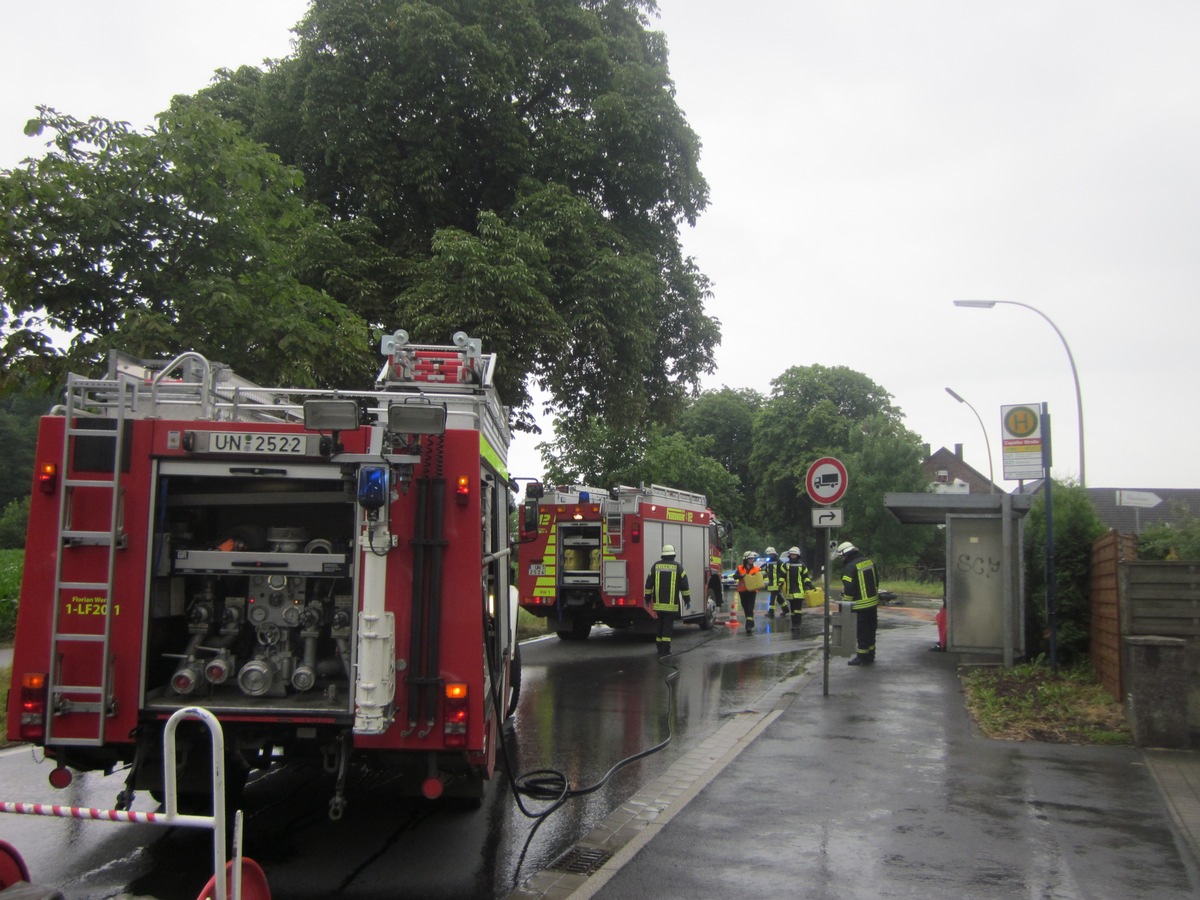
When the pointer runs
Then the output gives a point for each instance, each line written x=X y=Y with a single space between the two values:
x=514 y=682
x=710 y=609
x=579 y=630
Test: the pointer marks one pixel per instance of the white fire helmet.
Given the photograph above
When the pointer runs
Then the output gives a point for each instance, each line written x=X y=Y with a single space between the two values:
x=845 y=547
x=794 y=551
x=668 y=550
x=749 y=554
x=770 y=551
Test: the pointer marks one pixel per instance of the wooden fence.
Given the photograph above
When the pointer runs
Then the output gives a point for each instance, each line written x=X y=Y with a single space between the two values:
x=1132 y=597
x=1107 y=553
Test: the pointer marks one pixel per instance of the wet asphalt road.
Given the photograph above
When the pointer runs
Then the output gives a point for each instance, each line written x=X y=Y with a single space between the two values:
x=584 y=707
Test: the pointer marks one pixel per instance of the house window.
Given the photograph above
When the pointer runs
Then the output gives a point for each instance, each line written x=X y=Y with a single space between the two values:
x=943 y=476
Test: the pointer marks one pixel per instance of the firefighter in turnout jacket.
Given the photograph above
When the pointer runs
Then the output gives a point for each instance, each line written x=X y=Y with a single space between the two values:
x=772 y=573
x=794 y=580
x=860 y=587
x=666 y=588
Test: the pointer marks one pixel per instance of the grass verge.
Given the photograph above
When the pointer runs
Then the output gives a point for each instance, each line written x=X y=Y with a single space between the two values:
x=5 y=684
x=530 y=626
x=1029 y=703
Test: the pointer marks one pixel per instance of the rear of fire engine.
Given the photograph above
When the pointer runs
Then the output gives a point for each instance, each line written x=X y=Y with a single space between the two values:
x=326 y=572
x=584 y=554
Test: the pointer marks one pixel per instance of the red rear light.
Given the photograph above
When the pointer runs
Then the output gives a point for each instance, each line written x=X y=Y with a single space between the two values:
x=462 y=490
x=47 y=477
x=635 y=533
x=33 y=706
x=455 y=716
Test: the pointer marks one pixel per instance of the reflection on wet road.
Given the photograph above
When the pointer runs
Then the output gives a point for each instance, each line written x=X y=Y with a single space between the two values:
x=585 y=706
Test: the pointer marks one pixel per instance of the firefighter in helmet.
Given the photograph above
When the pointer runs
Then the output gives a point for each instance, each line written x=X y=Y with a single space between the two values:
x=794 y=580
x=666 y=587
x=747 y=594
x=771 y=575
x=861 y=588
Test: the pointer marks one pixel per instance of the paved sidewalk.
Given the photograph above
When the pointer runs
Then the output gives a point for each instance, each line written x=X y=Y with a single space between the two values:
x=883 y=789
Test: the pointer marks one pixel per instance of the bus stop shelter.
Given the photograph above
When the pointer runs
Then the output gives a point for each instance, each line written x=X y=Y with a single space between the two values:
x=984 y=571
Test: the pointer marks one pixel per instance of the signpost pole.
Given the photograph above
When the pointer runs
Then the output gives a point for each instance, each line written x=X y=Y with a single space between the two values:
x=825 y=542
x=1048 y=487
x=826 y=482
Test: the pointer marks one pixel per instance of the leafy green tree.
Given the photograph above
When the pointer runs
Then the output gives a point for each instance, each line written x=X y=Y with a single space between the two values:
x=19 y=416
x=1076 y=526
x=677 y=461
x=189 y=237
x=816 y=411
x=526 y=164
x=726 y=416
x=593 y=452
x=603 y=457
x=884 y=457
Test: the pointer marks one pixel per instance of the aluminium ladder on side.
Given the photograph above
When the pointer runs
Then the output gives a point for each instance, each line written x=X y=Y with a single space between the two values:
x=95 y=401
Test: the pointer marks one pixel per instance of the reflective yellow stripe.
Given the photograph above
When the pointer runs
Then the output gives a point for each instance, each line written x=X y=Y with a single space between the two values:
x=489 y=453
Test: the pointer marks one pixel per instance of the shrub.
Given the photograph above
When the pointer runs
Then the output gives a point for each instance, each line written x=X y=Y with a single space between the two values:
x=1076 y=525
x=1165 y=540
x=13 y=522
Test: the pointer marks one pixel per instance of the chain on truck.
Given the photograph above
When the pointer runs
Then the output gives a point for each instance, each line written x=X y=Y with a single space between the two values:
x=327 y=572
x=584 y=553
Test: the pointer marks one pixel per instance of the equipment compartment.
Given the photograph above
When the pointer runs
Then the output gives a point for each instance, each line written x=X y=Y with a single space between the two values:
x=251 y=589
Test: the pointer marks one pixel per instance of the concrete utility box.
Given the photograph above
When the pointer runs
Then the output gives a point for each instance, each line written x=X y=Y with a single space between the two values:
x=843 y=633
x=1156 y=691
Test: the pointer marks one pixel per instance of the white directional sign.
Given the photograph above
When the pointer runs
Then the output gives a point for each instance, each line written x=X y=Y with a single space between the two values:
x=1142 y=499
x=826 y=480
x=828 y=517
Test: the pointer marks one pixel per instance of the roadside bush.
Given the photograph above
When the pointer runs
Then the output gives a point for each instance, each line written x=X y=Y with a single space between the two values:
x=13 y=522
x=12 y=563
x=1171 y=541
x=1076 y=525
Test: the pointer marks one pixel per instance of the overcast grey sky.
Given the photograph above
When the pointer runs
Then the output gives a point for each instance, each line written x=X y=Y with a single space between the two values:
x=869 y=163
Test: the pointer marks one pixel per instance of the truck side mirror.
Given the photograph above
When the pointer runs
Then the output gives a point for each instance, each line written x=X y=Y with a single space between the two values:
x=529 y=517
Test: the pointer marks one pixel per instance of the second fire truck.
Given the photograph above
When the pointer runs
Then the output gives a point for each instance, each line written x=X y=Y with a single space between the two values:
x=584 y=554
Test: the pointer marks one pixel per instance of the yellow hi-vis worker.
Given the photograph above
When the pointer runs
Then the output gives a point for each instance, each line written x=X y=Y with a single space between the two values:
x=666 y=587
x=794 y=580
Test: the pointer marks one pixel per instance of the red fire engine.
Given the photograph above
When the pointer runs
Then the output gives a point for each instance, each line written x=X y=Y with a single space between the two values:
x=584 y=554
x=326 y=572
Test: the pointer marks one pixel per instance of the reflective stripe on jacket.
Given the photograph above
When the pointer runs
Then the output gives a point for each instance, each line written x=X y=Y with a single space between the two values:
x=794 y=580
x=858 y=582
x=667 y=586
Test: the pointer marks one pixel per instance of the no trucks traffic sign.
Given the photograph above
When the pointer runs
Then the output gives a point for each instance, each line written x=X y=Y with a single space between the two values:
x=826 y=480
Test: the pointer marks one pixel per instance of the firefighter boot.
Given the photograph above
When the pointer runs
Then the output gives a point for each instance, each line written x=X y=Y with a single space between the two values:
x=664 y=649
x=749 y=624
x=797 y=623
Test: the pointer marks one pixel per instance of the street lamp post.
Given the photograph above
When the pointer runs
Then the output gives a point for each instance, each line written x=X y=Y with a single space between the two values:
x=988 y=304
x=986 y=441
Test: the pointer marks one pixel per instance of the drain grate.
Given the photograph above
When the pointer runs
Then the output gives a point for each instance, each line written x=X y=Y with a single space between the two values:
x=581 y=860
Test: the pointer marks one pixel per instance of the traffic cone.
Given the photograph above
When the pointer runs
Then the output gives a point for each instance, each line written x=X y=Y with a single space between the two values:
x=733 y=608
